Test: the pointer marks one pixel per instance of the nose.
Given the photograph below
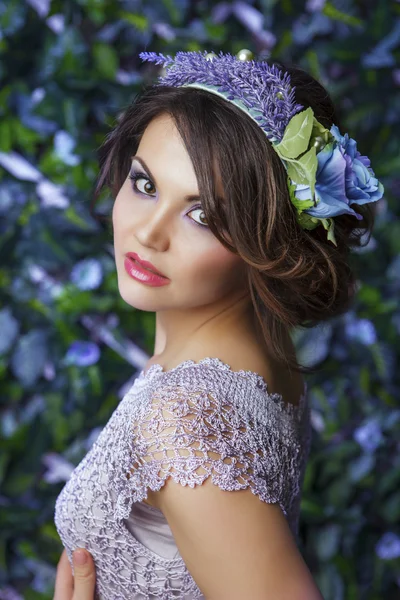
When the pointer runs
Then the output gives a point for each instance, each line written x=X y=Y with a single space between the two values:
x=156 y=227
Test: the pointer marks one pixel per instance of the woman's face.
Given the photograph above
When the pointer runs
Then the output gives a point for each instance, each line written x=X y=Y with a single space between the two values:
x=162 y=226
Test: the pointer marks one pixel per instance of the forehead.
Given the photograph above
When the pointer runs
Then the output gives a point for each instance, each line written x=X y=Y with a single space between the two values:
x=161 y=132
x=161 y=140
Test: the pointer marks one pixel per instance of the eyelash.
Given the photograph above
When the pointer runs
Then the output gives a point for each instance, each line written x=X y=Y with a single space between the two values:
x=134 y=177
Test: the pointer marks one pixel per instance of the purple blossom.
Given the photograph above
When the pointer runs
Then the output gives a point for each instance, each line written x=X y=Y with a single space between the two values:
x=361 y=330
x=360 y=181
x=381 y=55
x=254 y=84
x=343 y=177
x=266 y=39
x=264 y=92
x=388 y=547
x=249 y=16
x=7 y=592
x=165 y=31
x=82 y=354
x=306 y=27
x=315 y=5
x=369 y=435
x=220 y=12
x=87 y=274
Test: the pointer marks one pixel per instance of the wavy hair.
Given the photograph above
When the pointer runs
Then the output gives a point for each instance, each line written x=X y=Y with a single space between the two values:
x=296 y=277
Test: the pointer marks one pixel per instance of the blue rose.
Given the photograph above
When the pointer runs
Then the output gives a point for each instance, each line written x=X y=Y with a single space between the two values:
x=361 y=184
x=343 y=177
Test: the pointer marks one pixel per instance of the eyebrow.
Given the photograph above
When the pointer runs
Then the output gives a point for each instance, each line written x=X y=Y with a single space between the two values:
x=188 y=198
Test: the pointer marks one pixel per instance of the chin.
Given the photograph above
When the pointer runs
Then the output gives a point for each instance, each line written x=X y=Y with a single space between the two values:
x=140 y=298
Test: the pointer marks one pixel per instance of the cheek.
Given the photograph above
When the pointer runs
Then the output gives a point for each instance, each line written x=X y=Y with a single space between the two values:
x=119 y=213
x=116 y=227
x=115 y=210
x=217 y=266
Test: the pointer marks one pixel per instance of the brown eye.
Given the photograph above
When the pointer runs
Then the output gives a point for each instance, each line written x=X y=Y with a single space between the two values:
x=147 y=188
x=203 y=221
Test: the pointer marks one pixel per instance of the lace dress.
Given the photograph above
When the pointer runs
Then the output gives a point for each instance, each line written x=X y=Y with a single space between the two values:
x=261 y=443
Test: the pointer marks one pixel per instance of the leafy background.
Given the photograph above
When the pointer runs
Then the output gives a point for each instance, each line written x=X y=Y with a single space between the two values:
x=70 y=347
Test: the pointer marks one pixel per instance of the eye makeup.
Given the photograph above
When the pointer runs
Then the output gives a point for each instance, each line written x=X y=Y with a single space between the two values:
x=135 y=176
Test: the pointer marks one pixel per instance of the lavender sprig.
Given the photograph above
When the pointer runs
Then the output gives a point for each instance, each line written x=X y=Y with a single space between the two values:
x=265 y=90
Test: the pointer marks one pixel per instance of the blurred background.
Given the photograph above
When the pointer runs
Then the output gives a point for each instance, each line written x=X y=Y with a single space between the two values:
x=70 y=347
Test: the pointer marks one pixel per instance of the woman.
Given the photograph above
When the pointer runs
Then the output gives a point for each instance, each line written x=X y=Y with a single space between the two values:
x=193 y=488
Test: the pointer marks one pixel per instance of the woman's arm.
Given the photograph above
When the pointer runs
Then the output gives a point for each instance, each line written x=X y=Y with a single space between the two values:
x=234 y=545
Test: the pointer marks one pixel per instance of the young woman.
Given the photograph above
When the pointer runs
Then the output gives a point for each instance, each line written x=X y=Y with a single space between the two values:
x=233 y=217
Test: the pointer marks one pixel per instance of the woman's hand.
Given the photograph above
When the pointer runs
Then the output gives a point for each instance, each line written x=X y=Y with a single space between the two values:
x=81 y=585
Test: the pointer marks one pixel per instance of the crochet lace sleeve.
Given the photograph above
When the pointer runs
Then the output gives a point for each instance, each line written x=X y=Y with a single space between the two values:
x=191 y=434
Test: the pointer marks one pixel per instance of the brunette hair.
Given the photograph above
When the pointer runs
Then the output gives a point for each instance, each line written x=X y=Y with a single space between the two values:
x=297 y=278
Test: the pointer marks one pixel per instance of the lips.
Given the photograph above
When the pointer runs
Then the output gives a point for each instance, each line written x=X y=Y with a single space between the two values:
x=144 y=263
x=147 y=269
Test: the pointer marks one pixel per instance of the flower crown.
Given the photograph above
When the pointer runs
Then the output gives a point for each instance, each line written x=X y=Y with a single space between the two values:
x=326 y=173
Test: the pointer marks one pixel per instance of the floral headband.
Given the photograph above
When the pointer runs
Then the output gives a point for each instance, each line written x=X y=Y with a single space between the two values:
x=326 y=173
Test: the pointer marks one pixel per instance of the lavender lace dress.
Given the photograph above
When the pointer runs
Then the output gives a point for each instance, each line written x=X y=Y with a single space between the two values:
x=261 y=442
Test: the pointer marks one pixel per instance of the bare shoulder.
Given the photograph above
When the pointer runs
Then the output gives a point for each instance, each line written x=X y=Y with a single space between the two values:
x=279 y=378
x=249 y=356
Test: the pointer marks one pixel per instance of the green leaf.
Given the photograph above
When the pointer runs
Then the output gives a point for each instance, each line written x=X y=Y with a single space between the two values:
x=365 y=378
x=304 y=169
x=333 y=13
x=297 y=135
x=175 y=15
x=6 y=135
x=106 y=60
x=313 y=64
x=329 y=225
x=312 y=508
x=369 y=295
x=319 y=130
x=307 y=221
x=141 y=22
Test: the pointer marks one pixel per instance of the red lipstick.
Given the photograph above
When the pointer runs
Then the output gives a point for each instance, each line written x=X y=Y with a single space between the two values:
x=143 y=270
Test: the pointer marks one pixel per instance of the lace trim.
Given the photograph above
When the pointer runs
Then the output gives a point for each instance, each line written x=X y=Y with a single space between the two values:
x=192 y=434
x=258 y=380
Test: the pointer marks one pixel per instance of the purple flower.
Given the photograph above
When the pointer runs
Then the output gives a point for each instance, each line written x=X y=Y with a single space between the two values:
x=361 y=183
x=330 y=185
x=165 y=31
x=361 y=330
x=369 y=435
x=343 y=177
x=263 y=89
x=388 y=547
x=82 y=354
x=87 y=274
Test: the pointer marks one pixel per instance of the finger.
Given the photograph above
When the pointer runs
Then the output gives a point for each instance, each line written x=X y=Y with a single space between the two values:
x=64 y=584
x=84 y=575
